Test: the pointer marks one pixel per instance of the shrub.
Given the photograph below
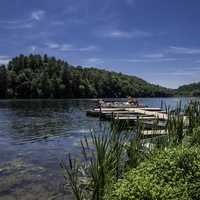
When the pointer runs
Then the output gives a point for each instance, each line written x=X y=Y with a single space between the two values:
x=195 y=137
x=169 y=174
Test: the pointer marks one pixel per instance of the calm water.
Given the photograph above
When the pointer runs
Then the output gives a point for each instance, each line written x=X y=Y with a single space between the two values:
x=35 y=135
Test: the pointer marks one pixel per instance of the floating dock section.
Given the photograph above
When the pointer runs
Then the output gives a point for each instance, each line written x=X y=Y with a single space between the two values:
x=128 y=115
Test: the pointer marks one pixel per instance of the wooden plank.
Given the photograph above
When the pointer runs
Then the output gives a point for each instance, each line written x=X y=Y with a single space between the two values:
x=119 y=112
x=134 y=118
x=151 y=109
x=127 y=111
x=158 y=115
x=96 y=113
x=109 y=109
x=154 y=132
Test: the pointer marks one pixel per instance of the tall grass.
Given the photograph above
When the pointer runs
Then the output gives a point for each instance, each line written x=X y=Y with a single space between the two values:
x=175 y=124
x=103 y=156
x=107 y=156
x=193 y=114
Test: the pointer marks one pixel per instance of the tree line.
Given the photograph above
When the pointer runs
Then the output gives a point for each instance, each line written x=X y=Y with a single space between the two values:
x=37 y=76
x=189 y=90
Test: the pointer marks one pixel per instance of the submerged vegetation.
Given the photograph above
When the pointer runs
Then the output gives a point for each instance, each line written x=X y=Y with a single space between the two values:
x=121 y=165
x=37 y=76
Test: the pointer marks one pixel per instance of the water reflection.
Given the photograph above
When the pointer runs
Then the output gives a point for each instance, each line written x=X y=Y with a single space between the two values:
x=37 y=120
x=35 y=135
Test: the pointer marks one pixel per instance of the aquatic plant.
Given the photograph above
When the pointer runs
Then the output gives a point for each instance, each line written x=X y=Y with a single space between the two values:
x=175 y=127
x=103 y=162
x=193 y=114
x=182 y=121
x=107 y=157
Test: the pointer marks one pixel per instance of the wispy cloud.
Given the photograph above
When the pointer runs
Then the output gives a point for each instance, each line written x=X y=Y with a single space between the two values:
x=89 y=48
x=70 y=47
x=130 y=2
x=33 y=49
x=38 y=15
x=60 y=47
x=187 y=71
x=20 y=26
x=155 y=55
x=124 y=34
x=175 y=73
x=183 y=50
x=4 y=60
x=25 y=23
x=149 y=60
x=71 y=9
x=53 y=45
x=17 y=24
x=58 y=23
x=93 y=61
x=65 y=47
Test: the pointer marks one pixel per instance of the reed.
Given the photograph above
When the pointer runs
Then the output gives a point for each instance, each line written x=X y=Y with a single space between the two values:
x=103 y=156
x=175 y=126
x=193 y=114
x=108 y=155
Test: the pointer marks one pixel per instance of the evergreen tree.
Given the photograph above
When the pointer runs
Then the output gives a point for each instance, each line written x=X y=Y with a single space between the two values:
x=3 y=81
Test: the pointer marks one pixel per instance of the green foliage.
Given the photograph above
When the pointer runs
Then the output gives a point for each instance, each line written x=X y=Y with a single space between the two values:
x=170 y=174
x=118 y=164
x=175 y=125
x=3 y=82
x=102 y=163
x=194 y=138
x=36 y=76
x=106 y=157
x=189 y=90
x=193 y=114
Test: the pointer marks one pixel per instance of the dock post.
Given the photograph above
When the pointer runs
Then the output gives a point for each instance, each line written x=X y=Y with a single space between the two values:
x=137 y=127
x=100 y=111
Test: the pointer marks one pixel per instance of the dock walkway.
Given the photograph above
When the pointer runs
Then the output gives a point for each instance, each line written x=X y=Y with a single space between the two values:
x=146 y=111
x=127 y=113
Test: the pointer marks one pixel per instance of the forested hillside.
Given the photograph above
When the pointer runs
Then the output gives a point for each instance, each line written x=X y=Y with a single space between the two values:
x=189 y=90
x=37 y=76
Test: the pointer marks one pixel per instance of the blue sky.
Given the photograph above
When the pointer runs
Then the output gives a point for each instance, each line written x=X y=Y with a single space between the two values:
x=156 y=40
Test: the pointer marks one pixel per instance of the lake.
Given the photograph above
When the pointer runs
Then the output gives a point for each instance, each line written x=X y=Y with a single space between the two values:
x=36 y=135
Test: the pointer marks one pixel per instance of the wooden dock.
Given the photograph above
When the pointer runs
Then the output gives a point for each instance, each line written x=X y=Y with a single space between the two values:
x=129 y=116
x=128 y=113
x=146 y=111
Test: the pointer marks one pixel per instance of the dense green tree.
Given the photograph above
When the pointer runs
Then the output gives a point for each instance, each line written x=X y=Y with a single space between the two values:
x=189 y=90
x=37 y=76
x=3 y=81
